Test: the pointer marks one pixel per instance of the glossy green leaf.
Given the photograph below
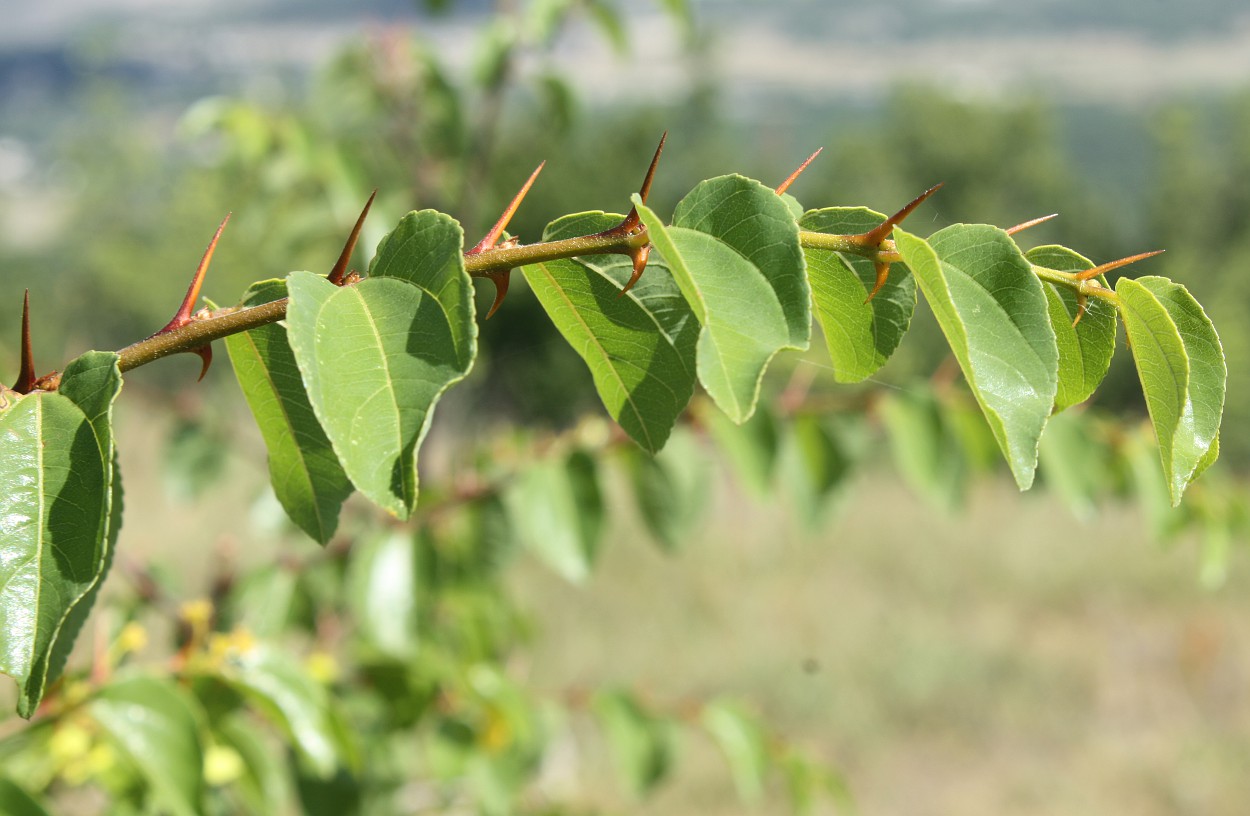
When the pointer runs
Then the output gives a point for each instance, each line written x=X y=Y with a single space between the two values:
x=743 y=743
x=641 y=745
x=157 y=726
x=383 y=592
x=993 y=311
x=56 y=467
x=640 y=347
x=926 y=450
x=1182 y=370
x=861 y=334
x=557 y=510
x=15 y=801
x=307 y=478
x=375 y=358
x=292 y=699
x=1085 y=350
x=734 y=253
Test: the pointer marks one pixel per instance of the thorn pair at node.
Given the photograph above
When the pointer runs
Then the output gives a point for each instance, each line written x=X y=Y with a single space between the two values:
x=875 y=237
x=184 y=316
x=501 y=278
x=1082 y=299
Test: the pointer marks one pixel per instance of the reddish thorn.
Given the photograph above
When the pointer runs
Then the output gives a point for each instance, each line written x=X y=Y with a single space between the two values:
x=1027 y=224
x=336 y=275
x=1107 y=267
x=26 y=376
x=639 y=257
x=1082 y=300
x=883 y=273
x=785 y=185
x=875 y=236
x=632 y=220
x=501 y=280
x=205 y=353
x=509 y=211
x=183 y=316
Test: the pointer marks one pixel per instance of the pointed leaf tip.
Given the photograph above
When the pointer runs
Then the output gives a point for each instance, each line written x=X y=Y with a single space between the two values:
x=1018 y=228
x=26 y=376
x=338 y=275
x=785 y=185
x=491 y=237
x=875 y=236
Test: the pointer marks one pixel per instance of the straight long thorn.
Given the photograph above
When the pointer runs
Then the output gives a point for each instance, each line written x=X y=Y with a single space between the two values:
x=26 y=376
x=632 y=220
x=1107 y=267
x=338 y=275
x=875 y=236
x=491 y=237
x=1033 y=223
x=183 y=315
x=785 y=185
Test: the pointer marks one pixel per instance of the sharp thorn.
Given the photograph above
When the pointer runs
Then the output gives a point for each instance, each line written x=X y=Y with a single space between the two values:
x=1033 y=223
x=639 y=258
x=875 y=236
x=632 y=220
x=785 y=185
x=183 y=316
x=883 y=274
x=502 y=224
x=1082 y=300
x=338 y=274
x=501 y=281
x=1107 y=267
x=26 y=376
x=205 y=353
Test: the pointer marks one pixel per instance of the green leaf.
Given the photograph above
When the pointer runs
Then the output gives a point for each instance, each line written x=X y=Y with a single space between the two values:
x=610 y=24
x=265 y=599
x=818 y=465
x=994 y=314
x=641 y=744
x=307 y=477
x=263 y=786
x=383 y=592
x=640 y=347
x=375 y=358
x=1085 y=350
x=1182 y=370
x=1139 y=460
x=670 y=489
x=157 y=726
x=54 y=530
x=734 y=253
x=861 y=334
x=926 y=450
x=14 y=801
x=557 y=509
x=292 y=699
x=743 y=743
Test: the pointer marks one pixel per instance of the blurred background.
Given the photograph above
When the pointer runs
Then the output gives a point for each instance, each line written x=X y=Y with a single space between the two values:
x=1006 y=657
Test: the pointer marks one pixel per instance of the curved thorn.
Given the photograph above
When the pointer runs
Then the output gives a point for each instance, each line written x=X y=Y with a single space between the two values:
x=1107 y=267
x=785 y=185
x=1082 y=300
x=632 y=220
x=1033 y=223
x=183 y=316
x=337 y=274
x=875 y=236
x=501 y=281
x=26 y=376
x=502 y=224
x=205 y=353
x=883 y=274
x=639 y=257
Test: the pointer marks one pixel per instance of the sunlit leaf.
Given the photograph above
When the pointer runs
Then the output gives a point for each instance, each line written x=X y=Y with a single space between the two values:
x=640 y=347
x=1182 y=370
x=861 y=334
x=993 y=311
x=383 y=590
x=743 y=743
x=307 y=477
x=734 y=253
x=1085 y=350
